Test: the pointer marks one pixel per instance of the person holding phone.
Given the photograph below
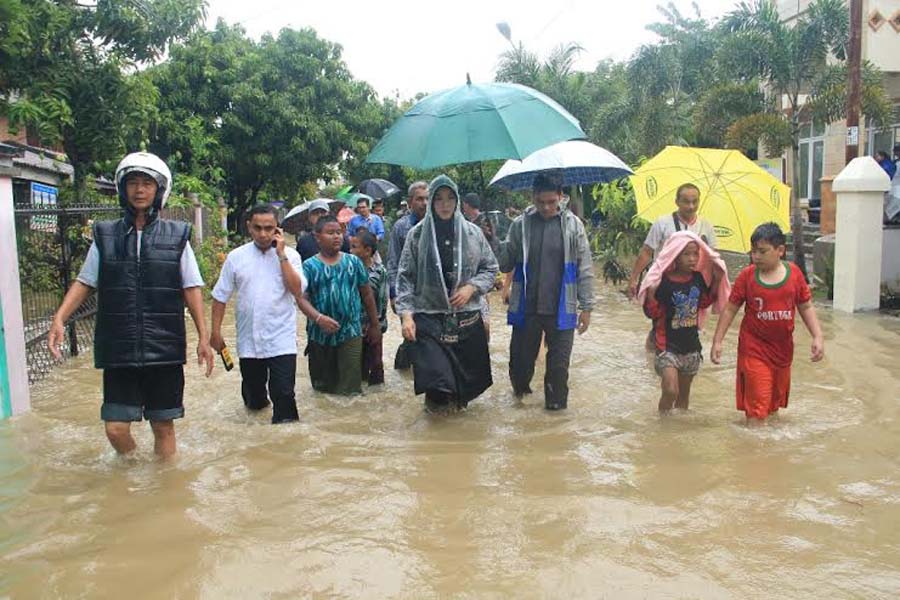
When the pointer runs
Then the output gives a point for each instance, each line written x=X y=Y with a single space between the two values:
x=268 y=278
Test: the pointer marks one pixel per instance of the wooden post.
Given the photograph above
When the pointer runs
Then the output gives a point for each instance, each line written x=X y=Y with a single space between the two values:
x=854 y=60
x=14 y=396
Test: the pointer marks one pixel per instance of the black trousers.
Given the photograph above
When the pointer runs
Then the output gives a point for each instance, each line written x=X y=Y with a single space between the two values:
x=523 y=350
x=279 y=372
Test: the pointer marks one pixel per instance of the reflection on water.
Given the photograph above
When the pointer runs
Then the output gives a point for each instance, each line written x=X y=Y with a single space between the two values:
x=370 y=497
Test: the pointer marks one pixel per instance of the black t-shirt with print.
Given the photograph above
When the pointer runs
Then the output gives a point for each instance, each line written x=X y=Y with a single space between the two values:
x=675 y=310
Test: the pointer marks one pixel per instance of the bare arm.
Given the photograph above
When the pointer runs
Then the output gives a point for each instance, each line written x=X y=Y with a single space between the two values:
x=811 y=320
x=193 y=298
x=725 y=319
x=218 y=314
x=644 y=258
x=76 y=295
x=321 y=320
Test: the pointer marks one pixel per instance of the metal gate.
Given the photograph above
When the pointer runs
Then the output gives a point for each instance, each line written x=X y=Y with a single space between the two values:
x=52 y=243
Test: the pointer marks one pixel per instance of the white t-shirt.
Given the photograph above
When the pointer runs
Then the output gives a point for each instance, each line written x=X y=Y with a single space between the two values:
x=266 y=311
x=190 y=271
x=665 y=227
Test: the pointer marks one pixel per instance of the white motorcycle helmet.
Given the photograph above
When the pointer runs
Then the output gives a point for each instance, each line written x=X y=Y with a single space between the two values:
x=149 y=164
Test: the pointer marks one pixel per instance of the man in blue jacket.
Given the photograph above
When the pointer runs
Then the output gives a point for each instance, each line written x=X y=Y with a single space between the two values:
x=552 y=290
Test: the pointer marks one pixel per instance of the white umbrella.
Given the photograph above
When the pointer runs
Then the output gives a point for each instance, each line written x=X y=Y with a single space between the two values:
x=578 y=161
x=295 y=221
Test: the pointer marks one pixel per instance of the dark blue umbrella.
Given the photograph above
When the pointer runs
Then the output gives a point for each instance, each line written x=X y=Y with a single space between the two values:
x=379 y=189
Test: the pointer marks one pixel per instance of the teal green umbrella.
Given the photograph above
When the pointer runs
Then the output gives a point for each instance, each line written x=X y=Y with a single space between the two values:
x=475 y=122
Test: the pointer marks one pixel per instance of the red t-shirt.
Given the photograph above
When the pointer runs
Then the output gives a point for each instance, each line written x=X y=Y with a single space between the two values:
x=767 y=331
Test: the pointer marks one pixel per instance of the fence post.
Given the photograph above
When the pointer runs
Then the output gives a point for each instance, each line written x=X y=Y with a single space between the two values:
x=14 y=397
x=860 y=189
x=223 y=215
x=198 y=217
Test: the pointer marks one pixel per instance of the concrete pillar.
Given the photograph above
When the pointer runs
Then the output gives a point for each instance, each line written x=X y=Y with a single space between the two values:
x=223 y=215
x=14 y=396
x=198 y=217
x=860 y=189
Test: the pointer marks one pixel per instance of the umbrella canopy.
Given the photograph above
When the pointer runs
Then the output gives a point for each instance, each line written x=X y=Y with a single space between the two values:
x=293 y=221
x=475 y=122
x=378 y=189
x=736 y=195
x=297 y=218
x=578 y=161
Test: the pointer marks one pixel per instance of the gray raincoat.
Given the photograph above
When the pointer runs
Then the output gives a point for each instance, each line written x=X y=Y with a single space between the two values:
x=420 y=282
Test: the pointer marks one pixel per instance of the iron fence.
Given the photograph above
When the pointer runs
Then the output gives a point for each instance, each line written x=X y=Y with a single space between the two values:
x=52 y=242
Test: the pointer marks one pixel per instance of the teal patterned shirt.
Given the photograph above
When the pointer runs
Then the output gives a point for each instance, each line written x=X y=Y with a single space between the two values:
x=334 y=291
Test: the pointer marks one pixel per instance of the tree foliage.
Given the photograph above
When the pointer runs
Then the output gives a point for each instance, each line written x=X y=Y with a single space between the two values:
x=67 y=70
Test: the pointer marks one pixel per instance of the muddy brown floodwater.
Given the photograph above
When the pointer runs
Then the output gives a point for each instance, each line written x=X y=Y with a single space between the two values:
x=369 y=497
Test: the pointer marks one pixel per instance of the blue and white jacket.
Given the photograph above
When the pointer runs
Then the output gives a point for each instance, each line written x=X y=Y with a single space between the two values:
x=577 y=291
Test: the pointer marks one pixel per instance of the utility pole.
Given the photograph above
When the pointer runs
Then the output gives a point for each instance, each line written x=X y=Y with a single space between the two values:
x=854 y=60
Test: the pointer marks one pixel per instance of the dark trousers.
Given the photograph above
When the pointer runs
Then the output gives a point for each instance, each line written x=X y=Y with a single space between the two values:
x=280 y=373
x=523 y=350
x=372 y=363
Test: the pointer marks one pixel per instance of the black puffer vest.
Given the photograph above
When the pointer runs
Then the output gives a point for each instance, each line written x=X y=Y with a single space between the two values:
x=140 y=303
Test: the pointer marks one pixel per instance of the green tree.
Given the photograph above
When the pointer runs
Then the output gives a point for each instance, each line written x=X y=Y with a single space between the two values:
x=67 y=71
x=263 y=119
x=790 y=59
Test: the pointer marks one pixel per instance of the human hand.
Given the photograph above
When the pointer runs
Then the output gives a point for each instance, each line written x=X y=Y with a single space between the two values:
x=408 y=328
x=327 y=324
x=584 y=321
x=817 y=351
x=216 y=342
x=55 y=337
x=715 y=353
x=278 y=240
x=205 y=355
x=632 y=290
x=462 y=295
x=504 y=294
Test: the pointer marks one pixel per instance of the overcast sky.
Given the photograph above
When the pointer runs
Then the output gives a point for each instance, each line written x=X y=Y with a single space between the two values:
x=405 y=46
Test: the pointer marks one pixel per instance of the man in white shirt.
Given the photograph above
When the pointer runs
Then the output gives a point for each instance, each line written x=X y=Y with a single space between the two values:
x=268 y=277
x=687 y=199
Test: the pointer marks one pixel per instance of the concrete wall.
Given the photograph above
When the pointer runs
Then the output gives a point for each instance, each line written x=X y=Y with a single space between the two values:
x=890 y=259
x=882 y=47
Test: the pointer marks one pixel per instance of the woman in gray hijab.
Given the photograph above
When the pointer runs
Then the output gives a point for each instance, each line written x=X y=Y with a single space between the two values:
x=445 y=268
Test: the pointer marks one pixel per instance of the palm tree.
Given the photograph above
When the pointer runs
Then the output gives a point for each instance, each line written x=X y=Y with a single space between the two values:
x=789 y=59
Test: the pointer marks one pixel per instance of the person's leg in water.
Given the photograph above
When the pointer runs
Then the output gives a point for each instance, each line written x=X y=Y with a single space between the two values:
x=684 y=390
x=524 y=345
x=254 y=376
x=437 y=402
x=163 y=438
x=119 y=435
x=282 y=376
x=559 y=354
x=669 y=389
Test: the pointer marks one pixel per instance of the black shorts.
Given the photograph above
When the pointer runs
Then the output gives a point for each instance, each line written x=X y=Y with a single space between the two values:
x=152 y=393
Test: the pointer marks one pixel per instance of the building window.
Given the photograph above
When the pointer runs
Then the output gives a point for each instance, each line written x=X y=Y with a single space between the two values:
x=884 y=139
x=812 y=160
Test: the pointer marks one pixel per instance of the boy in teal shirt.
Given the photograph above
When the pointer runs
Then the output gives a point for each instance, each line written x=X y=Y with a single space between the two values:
x=337 y=290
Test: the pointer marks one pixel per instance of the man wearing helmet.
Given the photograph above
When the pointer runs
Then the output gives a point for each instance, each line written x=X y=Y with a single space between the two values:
x=145 y=273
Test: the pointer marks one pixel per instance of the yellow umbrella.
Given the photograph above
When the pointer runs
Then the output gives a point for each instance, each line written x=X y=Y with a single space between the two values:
x=736 y=195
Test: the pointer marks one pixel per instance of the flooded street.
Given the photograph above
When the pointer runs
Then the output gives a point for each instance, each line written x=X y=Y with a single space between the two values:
x=370 y=497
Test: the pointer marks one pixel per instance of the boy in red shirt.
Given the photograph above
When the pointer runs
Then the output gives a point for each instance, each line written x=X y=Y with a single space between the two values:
x=772 y=289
